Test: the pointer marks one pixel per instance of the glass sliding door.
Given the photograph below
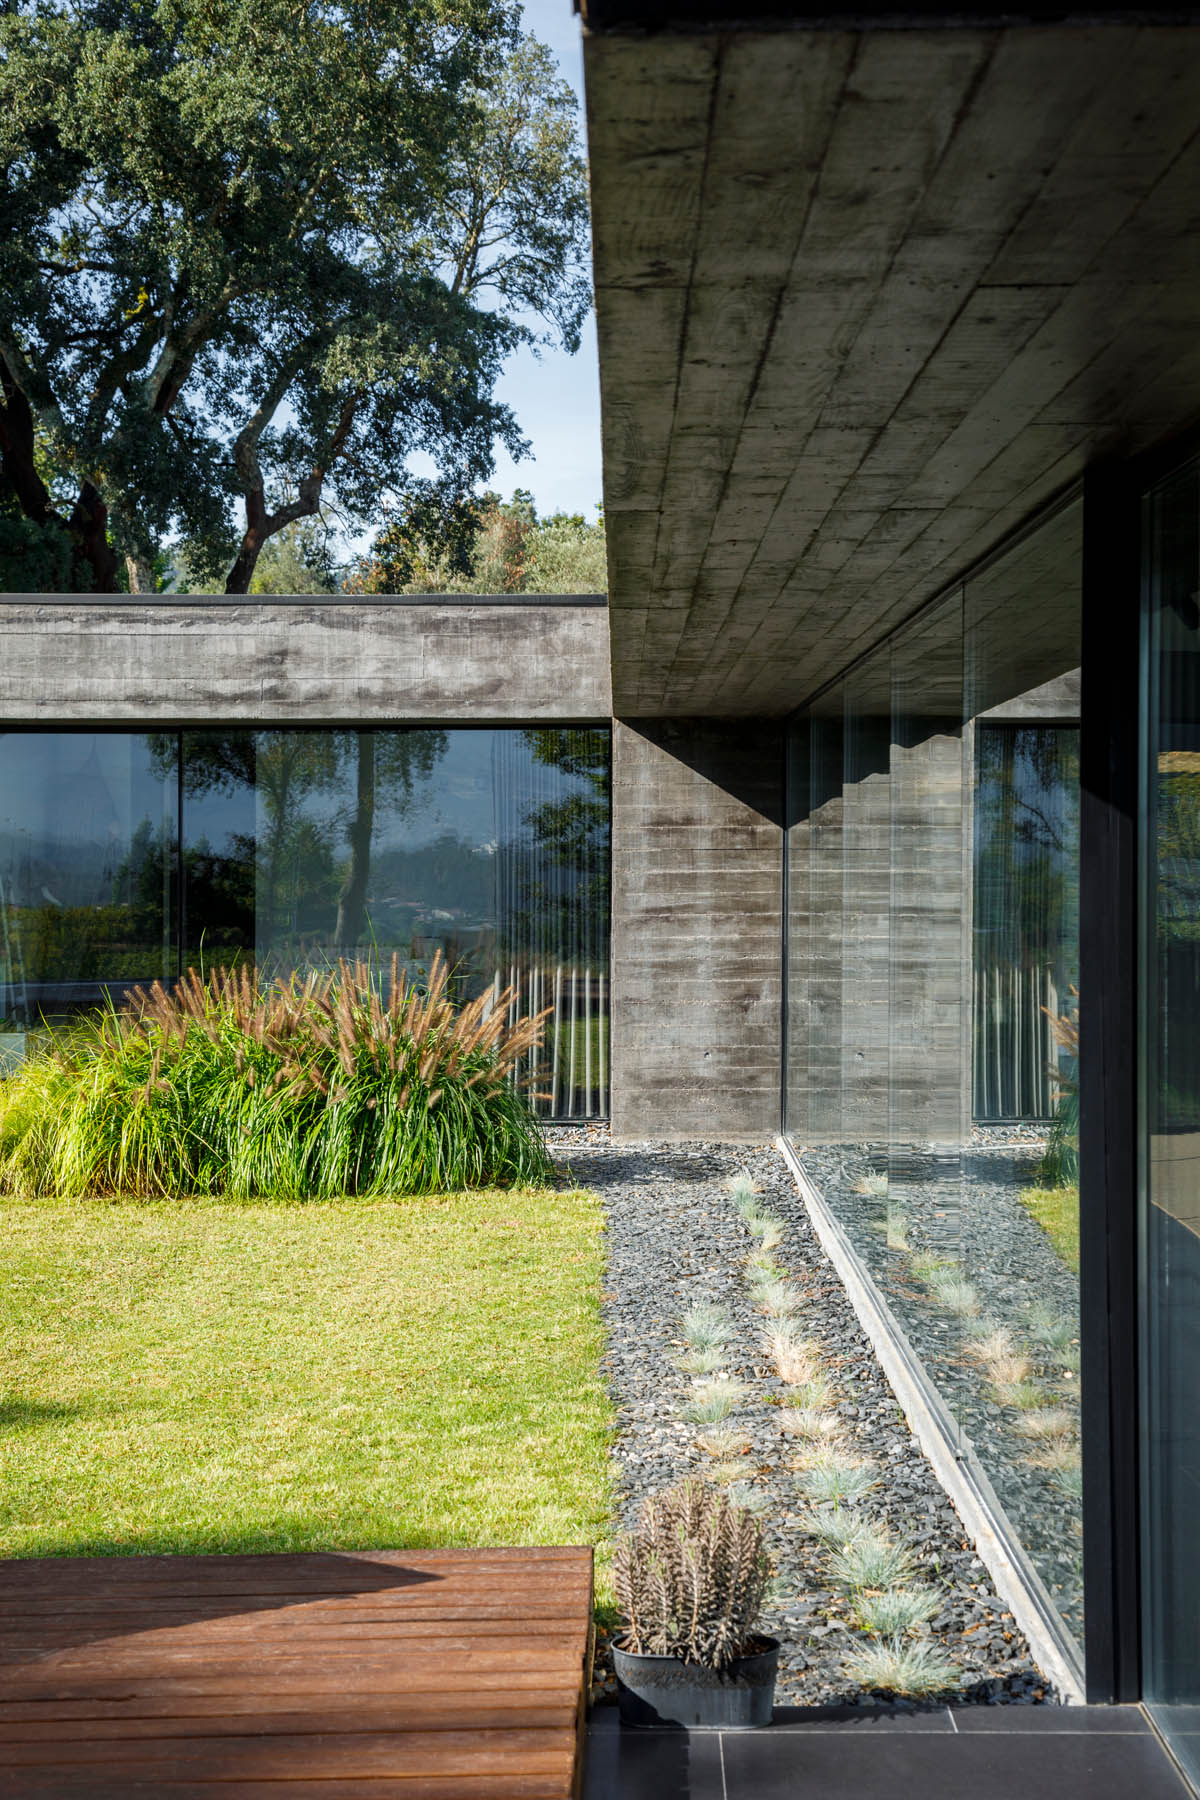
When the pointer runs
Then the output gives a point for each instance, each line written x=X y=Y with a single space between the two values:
x=932 y=994
x=1022 y=628
x=1170 y=1112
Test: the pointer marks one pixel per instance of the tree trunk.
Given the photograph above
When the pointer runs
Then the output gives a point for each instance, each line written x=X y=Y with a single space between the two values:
x=242 y=573
x=93 y=563
x=140 y=569
x=352 y=900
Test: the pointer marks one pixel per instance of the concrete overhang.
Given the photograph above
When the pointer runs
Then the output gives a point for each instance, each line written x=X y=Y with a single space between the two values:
x=279 y=660
x=867 y=300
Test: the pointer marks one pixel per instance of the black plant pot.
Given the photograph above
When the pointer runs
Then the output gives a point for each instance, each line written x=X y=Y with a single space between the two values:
x=657 y=1691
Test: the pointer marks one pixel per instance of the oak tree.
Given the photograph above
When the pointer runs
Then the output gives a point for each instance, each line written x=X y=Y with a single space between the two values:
x=255 y=255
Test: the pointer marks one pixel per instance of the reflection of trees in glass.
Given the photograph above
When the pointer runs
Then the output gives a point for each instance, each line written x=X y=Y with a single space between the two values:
x=1178 y=810
x=561 y=901
x=301 y=879
x=1025 y=923
x=1027 y=844
x=1177 y=929
x=387 y=767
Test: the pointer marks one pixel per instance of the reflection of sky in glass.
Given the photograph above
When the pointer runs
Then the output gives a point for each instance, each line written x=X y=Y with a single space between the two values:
x=457 y=798
x=70 y=803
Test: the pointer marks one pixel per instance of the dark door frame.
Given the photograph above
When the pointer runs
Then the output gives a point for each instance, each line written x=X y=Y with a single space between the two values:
x=1108 y=918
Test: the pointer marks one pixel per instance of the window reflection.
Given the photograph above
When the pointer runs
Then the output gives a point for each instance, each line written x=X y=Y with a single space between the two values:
x=295 y=848
x=1170 y=1121
x=932 y=1006
x=88 y=829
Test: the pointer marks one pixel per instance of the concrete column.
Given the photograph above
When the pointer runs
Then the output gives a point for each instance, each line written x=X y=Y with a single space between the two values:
x=696 y=929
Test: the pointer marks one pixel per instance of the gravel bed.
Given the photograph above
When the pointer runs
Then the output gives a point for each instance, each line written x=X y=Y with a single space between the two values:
x=675 y=1239
x=971 y=1215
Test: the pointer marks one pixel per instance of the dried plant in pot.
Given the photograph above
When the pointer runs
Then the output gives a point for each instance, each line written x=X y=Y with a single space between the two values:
x=690 y=1580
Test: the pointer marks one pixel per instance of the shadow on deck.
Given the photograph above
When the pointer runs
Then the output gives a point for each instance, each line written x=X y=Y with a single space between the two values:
x=344 y=1675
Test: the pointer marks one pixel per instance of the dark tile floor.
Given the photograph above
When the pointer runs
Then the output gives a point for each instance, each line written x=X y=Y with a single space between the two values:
x=968 y=1753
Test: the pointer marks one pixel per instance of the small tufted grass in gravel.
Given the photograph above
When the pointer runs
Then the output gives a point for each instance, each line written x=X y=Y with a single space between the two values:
x=206 y=1376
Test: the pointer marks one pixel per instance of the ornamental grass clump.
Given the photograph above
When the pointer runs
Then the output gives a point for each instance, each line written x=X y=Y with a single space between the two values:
x=692 y=1577
x=870 y=1560
x=795 y=1358
x=706 y=1327
x=899 y=1668
x=896 y=1610
x=713 y=1401
x=304 y=1089
x=834 y=1482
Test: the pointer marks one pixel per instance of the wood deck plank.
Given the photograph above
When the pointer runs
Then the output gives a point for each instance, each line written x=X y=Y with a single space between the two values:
x=355 y=1675
x=38 y=1784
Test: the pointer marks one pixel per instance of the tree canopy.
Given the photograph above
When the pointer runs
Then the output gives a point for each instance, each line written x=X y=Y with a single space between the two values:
x=255 y=255
x=483 y=545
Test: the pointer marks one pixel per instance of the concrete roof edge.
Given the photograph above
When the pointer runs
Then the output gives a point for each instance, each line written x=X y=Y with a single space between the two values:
x=643 y=18
x=363 y=601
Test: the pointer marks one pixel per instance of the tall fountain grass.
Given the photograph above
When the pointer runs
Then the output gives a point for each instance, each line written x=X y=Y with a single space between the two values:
x=306 y=1089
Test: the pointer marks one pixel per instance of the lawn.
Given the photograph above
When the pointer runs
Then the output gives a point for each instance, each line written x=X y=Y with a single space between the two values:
x=1057 y=1212
x=208 y=1376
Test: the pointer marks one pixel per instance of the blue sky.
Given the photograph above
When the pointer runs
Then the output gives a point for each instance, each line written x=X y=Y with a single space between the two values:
x=556 y=400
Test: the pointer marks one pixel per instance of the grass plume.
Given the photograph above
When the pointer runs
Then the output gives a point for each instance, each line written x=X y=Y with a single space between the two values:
x=337 y=1084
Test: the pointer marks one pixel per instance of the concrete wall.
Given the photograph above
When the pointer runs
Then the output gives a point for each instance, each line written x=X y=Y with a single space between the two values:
x=697 y=846
x=67 y=659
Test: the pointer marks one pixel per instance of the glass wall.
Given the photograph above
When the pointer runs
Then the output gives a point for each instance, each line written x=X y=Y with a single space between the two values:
x=1170 y=1113
x=125 y=858
x=932 y=985
x=88 y=892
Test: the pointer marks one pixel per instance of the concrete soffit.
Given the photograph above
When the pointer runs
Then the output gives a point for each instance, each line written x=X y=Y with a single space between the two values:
x=867 y=301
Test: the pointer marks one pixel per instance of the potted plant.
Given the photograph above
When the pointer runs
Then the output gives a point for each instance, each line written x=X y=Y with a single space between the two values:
x=690 y=1581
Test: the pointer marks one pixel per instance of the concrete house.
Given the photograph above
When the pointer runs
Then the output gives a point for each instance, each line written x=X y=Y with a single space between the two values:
x=866 y=813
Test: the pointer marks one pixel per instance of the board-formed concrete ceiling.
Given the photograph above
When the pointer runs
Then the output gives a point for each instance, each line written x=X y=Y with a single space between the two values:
x=866 y=300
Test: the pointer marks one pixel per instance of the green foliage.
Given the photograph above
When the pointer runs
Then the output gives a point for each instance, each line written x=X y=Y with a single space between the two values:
x=955 y=1292
x=870 y=1560
x=35 y=557
x=714 y=1400
x=254 y=257
x=778 y=1299
x=835 y=1525
x=707 y=1327
x=834 y=1482
x=1059 y=1167
x=1056 y=1210
x=439 y=542
x=297 y=561
x=896 y=1610
x=301 y=1091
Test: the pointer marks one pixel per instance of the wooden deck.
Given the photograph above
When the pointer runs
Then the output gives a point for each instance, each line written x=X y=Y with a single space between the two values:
x=342 y=1676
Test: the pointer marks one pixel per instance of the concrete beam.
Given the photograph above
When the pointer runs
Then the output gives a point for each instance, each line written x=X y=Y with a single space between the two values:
x=70 y=659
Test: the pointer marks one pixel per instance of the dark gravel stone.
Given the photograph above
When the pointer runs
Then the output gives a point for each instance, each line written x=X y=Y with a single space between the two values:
x=674 y=1239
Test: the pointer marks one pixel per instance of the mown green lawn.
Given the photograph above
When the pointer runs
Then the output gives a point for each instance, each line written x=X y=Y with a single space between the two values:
x=1057 y=1212
x=202 y=1376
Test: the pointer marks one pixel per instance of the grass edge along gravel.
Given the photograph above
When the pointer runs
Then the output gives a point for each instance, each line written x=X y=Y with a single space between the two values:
x=206 y=1375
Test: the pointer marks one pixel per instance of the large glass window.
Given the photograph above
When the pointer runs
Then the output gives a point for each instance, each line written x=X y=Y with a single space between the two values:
x=124 y=858
x=932 y=995
x=1170 y=1122
x=88 y=828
